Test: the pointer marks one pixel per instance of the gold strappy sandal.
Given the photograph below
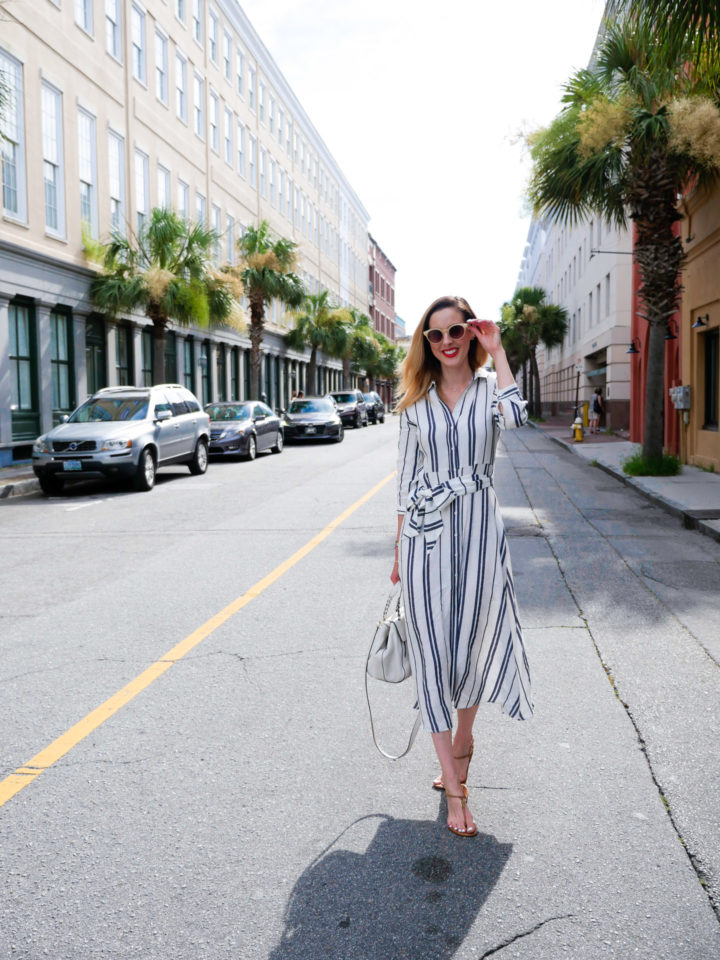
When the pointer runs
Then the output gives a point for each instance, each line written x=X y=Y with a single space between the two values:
x=438 y=781
x=463 y=798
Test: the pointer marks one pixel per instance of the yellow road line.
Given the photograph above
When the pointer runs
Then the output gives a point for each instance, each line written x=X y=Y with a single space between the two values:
x=25 y=775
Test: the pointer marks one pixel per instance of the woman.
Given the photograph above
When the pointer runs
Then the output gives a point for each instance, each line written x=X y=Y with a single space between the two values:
x=596 y=408
x=451 y=555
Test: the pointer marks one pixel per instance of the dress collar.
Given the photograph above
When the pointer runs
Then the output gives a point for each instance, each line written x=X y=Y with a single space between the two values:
x=480 y=373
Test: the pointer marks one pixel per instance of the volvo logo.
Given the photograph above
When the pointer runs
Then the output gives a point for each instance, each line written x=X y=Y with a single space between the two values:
x=72 y=446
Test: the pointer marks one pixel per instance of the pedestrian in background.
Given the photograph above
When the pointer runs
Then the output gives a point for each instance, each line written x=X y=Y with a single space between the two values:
x=451 y=555
x=596 y=409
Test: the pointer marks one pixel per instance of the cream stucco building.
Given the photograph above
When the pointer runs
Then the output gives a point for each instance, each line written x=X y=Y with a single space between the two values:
x=119 y=106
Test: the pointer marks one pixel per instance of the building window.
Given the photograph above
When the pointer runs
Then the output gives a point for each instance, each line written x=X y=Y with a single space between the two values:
x=188 y=365
x=146 y=372
x=607 y=289
x=12 y=141
x=197 y=6
x=252 y=145
x=200 y=209
x=112 y=28
x=213 y=35
x=123 y=356
x=272 y=181
x=227 y=56
x=281 y=190
x=712 y=346
x=53 y=160
x=235 y=373
x=240 y=71
x=183 y=201
x=297 y=207
x=241 y=148
x=142 y=200
x=217 y=229
x=214 y=119
x=137 y=19
x=263 y=172
x=229 y=239
x=163 y=187
x=251 y=87
x=271 y=116
x=199 y=106
x=87 y=162
x=261 y=110
x=161 y=67
x=61 y=362
x=83 y=15
x=228 y=136
x=180 y=10
x=288 y=142
x=116 y=160
x=280 y=125
x=289 y=199
x=21 y=358
x=181 y=86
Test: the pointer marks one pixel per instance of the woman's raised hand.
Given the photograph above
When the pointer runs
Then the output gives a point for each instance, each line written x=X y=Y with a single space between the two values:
x=488 y=335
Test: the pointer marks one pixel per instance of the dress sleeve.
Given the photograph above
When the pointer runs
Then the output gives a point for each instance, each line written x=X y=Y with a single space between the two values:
x=514 y=408
x=409 y=459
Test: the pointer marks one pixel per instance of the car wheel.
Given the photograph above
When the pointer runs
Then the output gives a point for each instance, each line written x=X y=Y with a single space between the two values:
x=358 y=420
x=366 y=421
x=279 y=443
x=50 y=485
x=381 y=418
x=199 y=462
x=146 y=470
x=251 y=450
x=341 y=436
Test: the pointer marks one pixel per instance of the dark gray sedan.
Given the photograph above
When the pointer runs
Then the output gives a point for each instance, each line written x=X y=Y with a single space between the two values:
x=243 y=428
x=313 y=418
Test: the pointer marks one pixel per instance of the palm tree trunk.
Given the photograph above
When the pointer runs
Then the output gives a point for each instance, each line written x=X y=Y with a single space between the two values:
x=312 y=371
x=158 y=368
x=257 y=324
x=536 y=408
x=660 y=256
x=346 y=372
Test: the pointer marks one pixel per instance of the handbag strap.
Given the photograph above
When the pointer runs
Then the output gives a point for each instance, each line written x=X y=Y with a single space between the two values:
x=413 y=732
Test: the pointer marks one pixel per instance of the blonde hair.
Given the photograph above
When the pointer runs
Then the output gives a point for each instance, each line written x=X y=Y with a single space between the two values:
x=420 y=367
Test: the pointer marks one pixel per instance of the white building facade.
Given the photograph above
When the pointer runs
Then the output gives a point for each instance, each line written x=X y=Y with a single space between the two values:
x=587 y=269
x=119 y=106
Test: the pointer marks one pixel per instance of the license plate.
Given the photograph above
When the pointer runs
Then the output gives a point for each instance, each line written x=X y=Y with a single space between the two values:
x=310 y=430
x=72 y=464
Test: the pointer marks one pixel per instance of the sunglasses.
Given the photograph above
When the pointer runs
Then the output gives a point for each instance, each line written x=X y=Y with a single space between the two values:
x=455 y=332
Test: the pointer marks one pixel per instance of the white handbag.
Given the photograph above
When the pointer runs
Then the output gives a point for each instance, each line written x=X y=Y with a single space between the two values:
x=388 y=660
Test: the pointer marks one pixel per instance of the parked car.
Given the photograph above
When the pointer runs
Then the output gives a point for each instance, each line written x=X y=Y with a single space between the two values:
x=243 y=428
x=313 y=418
x=375 y=407
x=124 y=433
x=351 y=407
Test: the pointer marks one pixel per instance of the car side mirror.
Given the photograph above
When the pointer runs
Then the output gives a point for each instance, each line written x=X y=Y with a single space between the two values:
x=64 y=418
x=162 y=415
x=260 y=416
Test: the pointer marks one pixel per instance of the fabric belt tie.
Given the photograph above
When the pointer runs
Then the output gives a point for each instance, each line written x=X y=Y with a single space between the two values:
x=425 y=503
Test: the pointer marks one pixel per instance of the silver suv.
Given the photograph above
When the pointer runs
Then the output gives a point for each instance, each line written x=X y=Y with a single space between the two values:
x=125 y=432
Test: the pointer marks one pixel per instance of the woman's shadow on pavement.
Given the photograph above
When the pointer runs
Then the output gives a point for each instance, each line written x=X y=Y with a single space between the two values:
x=414 y=894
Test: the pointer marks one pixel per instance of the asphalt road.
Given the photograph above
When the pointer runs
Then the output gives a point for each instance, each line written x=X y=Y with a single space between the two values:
x=234 y=806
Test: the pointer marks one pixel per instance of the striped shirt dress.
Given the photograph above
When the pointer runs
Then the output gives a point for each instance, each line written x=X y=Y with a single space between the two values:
x=464 y=635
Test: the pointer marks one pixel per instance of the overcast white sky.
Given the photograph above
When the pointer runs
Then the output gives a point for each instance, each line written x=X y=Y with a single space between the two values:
x=419 y=102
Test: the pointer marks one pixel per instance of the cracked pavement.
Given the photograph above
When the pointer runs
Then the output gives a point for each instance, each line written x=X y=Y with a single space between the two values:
x=236 y=808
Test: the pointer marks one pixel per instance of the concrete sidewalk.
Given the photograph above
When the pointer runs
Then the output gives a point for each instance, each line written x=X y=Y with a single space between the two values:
x=693 y=495
x=18 y=480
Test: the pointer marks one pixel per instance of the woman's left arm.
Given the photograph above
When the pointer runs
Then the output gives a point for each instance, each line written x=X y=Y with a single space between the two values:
x=488 y=335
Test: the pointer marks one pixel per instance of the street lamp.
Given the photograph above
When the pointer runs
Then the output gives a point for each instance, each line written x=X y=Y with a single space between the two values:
x=701 y=321
x=632 y=348
x=669 y=335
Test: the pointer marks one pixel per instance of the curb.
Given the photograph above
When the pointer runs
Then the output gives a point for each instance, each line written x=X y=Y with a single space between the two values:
x=686 y=518
x=19 y=488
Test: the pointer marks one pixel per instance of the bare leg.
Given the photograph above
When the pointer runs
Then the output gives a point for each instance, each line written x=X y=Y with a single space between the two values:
x=457 y=818
x=463 y=740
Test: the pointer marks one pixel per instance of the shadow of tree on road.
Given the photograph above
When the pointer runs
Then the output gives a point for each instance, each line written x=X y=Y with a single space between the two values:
x=414 y=893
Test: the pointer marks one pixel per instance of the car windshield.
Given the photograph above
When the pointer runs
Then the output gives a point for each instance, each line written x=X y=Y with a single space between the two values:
x=217 y=411
x=370 y=397
x=107 y=409
x=310 y=406
x=344 y=397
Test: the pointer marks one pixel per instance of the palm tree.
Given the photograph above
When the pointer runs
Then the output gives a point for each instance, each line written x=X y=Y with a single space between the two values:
x=320 y=326
x=674 y=21
x=635 y=132
x=165 y=272
x=534 y=322
x=357 y=328
x=267 y=272
x=378 y=357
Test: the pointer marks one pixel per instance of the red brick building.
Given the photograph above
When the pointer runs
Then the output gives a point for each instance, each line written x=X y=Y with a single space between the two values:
x=381 y=290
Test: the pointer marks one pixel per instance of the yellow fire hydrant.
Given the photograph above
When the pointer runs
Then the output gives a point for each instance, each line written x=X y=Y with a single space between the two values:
x=578 y=430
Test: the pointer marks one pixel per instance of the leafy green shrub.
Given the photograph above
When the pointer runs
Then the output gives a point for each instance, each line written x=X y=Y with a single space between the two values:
x=636 y=465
